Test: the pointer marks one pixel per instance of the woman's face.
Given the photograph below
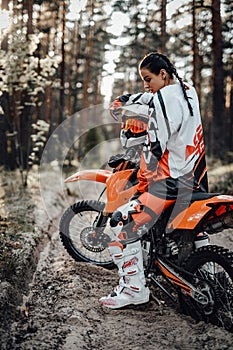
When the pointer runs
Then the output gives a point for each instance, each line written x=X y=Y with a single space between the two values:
x=153 y=82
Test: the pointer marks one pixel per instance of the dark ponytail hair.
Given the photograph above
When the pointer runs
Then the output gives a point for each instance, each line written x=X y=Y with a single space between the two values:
x=155 y=61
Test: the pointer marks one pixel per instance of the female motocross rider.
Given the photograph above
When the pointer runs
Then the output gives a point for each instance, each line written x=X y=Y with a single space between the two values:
x=172 y=162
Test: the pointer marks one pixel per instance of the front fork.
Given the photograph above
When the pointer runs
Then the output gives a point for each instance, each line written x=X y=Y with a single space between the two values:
x=100 y=224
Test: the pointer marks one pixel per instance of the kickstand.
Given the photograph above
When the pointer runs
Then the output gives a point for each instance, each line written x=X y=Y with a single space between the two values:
x=159 y=302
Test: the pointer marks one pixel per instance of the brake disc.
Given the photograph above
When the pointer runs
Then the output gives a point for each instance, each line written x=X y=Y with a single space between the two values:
x=92 y=240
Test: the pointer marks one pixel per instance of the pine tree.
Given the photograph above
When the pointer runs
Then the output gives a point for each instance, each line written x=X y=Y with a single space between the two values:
x=219 y=120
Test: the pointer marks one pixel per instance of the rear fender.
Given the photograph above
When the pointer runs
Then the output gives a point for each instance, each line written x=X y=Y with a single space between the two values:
x=96 y=175
x=201 y=212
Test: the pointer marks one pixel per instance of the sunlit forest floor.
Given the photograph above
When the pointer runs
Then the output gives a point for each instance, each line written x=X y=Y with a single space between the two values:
x=221 y=178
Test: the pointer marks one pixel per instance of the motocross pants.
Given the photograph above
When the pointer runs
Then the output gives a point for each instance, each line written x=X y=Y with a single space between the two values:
x=146 y=209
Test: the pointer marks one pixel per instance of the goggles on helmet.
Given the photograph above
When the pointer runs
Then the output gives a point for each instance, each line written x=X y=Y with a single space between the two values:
x=136 y=126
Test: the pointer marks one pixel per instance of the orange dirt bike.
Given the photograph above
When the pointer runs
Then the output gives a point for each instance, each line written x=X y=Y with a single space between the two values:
x=200 y=279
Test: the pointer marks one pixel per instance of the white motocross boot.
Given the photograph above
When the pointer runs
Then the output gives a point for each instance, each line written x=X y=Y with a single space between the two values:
x=132 y=285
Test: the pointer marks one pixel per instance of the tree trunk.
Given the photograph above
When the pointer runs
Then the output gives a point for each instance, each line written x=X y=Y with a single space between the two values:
x=163 y=26
x=76 y=64
x=197 y=60
x=3 y=129
x=87 y=73
x=29 y=7
x=25 y=118
x=229 y=106
x=219 y=123
x=62 y=67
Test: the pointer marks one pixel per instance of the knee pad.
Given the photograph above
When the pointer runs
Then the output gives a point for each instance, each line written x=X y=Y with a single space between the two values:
x=122 y=216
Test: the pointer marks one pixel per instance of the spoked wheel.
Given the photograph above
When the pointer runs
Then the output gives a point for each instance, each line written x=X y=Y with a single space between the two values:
x=80 y=235
x=212 y=270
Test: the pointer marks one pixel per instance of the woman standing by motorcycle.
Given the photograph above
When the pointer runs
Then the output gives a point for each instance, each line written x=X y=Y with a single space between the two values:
x=173 y=161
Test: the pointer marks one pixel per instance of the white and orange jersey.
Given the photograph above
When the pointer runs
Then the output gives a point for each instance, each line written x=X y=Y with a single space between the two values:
x=174 y=147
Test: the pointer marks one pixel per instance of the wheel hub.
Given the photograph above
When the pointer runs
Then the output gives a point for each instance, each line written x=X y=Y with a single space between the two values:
x=93 y=240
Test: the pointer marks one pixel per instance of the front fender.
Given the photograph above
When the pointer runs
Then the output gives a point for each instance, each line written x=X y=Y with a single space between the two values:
x=96 y=175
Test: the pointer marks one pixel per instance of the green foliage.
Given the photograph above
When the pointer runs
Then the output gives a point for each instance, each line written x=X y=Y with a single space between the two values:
x=21 y=69
x=52 y=63
x=39 y=139
x=143 y=35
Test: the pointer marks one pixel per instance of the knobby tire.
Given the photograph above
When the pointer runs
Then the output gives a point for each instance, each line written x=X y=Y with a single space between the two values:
x=214 y=266
x=76 y=219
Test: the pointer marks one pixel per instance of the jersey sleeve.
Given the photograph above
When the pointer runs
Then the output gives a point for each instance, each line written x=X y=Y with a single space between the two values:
x=139 y=98
x=164 y=122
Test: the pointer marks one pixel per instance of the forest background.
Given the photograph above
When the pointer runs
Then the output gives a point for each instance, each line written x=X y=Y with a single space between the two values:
x=60 y=57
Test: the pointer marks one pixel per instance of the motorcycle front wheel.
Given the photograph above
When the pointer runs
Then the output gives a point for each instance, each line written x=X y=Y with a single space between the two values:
x=82 y=234
x=211 y=271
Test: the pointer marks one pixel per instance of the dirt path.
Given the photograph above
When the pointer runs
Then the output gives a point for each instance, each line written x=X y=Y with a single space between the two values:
x=61 y=311
x=64 y=313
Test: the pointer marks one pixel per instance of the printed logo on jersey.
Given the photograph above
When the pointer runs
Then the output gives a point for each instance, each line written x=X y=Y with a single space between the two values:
x=198 y=142
x=151 y=137
x=152 y=148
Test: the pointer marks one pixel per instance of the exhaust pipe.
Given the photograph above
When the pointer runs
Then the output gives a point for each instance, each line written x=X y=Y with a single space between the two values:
x=229 y=220
x=224 y=222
